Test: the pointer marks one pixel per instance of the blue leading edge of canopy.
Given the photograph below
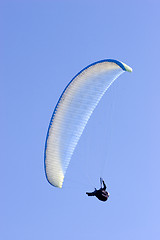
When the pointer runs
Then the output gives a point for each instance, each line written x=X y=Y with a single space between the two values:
x=105 y=60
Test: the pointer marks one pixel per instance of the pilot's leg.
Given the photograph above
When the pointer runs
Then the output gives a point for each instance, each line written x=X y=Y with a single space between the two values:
x=90 y=194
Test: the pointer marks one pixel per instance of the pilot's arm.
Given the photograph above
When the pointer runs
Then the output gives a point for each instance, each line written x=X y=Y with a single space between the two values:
x=104 y=186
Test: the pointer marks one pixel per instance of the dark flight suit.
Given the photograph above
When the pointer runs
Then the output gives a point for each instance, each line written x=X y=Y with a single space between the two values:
x=101 y=194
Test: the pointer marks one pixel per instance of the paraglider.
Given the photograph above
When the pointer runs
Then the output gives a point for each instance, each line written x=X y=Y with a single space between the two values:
x=101 y=193
x=72 y=112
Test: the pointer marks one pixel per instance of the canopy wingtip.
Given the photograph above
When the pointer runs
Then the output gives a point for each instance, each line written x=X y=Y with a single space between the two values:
x=127 y=68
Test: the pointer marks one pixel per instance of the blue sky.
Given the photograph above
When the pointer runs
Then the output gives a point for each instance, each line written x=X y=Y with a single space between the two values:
x=43 y=45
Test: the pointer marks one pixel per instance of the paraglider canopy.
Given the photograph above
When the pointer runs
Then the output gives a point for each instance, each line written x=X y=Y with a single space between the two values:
x=72 y=112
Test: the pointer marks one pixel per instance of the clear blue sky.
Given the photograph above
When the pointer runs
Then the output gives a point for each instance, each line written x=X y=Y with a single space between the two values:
x=43 y=45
